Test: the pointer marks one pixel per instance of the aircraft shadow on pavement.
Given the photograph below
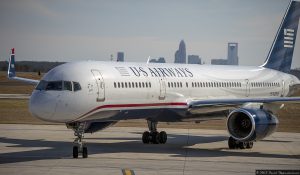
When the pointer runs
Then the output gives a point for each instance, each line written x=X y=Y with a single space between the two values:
x=177 y=146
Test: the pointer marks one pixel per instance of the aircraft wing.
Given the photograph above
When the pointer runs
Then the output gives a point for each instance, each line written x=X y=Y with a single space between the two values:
x=11 y=73
x=25 y=80
x=215 y=105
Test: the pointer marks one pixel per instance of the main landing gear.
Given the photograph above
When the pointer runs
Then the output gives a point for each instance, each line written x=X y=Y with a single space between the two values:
x=79 y=147
x=235 y=144
x=153 y=136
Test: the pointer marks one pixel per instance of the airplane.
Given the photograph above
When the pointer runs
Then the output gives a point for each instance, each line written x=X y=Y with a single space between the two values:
x=89 y=96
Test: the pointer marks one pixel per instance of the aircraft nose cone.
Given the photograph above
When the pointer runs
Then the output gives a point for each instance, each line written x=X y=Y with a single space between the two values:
x=42 y=105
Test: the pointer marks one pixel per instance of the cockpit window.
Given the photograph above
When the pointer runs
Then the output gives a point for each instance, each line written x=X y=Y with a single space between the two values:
x=67 y=85
x=57 y=86
x=76 y=86
x=54 y=86
x=42 y=85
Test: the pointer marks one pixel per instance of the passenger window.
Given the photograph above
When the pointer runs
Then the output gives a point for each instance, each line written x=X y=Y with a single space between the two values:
x=129 y=85
x=115 y=85
x=67 y=85
x=76 y=86
x=149 y=85
x=54 y=86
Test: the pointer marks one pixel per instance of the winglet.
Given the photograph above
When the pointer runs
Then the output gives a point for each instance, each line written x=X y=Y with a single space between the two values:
x=11 y=67
x=11 y=72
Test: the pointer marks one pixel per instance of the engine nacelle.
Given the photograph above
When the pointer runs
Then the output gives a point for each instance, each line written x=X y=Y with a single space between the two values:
x=251 y=124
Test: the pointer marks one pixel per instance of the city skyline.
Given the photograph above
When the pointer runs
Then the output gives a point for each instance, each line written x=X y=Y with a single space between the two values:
x=50 y=31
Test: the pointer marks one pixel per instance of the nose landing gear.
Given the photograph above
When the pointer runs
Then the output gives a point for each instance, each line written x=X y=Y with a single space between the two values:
x=153 y=136
x=79 y=146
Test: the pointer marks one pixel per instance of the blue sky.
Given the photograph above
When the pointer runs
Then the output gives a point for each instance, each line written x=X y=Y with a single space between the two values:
x=67 y=30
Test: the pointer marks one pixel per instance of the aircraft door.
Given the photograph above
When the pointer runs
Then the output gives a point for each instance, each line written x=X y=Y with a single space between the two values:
x=283 y=88
x=162 y=91
x=100 y=85
x=247 y=88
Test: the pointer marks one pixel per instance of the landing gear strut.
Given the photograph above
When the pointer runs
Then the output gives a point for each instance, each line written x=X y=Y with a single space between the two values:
x=79 y=147
x=235 y=144
x=153 y=136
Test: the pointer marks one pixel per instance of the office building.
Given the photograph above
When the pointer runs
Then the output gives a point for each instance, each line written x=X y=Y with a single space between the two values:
x=194 y=59
x=232 y=54
x=120 y=57
x=219 y=61
x=180 y=54
x=159 y=60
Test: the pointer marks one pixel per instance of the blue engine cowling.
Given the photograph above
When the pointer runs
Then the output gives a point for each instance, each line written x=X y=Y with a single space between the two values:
x=251 y=124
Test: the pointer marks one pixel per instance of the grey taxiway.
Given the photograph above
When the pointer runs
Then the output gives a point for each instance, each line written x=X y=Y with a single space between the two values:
x=47 y=149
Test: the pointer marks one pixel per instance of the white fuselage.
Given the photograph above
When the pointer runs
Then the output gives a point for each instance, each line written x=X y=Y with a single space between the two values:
x=109 y=89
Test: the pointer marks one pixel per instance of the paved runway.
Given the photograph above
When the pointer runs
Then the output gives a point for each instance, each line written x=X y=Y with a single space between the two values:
x=47 y=149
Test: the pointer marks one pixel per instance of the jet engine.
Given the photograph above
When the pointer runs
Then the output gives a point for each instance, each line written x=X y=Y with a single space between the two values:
x=247 y=125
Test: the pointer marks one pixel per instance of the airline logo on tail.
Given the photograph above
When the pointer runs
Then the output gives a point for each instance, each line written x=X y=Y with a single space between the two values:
x=288 y=38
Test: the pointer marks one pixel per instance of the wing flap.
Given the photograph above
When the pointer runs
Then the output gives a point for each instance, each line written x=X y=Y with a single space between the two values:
x=217 y=105
x=241 y=101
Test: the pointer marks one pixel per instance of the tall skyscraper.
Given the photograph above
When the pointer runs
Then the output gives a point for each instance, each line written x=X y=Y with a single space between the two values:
x=194 y=59
x=120 y=57
x=232 y=57
x=180 y=54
